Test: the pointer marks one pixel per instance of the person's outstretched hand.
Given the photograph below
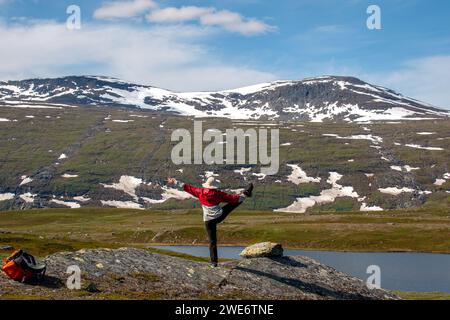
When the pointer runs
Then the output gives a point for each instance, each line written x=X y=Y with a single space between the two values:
x=171 y=181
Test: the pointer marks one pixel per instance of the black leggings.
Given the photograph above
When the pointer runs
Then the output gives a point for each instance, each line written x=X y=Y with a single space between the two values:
x=211 y=229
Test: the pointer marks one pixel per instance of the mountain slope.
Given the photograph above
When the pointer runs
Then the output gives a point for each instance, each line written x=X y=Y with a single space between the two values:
x=319 y=99
x=100 y=142
x=114 y=157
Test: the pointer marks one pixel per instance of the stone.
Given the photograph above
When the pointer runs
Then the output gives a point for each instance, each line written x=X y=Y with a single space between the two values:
x=264 y=249
x=144 y=274
x=92 y=288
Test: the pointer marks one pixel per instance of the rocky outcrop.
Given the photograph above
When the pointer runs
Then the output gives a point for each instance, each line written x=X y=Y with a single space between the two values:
x=140 y=274
x=264 y=249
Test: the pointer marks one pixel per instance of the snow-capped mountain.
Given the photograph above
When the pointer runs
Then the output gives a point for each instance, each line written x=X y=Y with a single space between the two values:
x=318 y=99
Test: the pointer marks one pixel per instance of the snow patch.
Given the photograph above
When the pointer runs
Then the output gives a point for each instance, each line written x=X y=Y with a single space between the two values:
x=123 y=121
x=374 y=139
x=169 y=193
x=406 y=168
x=25 y=180
x=409 y=169
x=241 y=171
x=366 y=208
x=209 y=174
x=137 y=116
x=72 y=205
x=298 y=176
x=6 y=196
x=69 y=176
x=440 y=182
x=326 y=196
x=260 y=176
x=121 y=204
x=416 y=146
x=425 y=133
x=28 y=197
x=127 y=184
x=82 y=199
x=395 y=191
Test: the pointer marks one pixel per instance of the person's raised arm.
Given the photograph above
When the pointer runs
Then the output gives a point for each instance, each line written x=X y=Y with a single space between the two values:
x=186 y=187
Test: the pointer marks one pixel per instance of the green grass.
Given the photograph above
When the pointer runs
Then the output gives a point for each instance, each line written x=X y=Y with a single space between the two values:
x=51 y=230
x=423 y=295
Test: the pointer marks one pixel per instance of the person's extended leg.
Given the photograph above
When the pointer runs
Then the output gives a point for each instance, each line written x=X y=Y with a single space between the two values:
x=211 y=229
x=229 y=207
x=226 y=210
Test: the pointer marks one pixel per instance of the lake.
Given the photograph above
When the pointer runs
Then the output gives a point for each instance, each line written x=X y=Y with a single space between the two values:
x=418 y=272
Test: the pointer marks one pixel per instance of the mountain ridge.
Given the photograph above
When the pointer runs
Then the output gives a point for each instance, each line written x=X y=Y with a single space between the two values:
x=318 y=99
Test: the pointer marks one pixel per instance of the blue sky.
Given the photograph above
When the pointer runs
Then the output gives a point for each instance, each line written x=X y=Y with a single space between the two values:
x=224 y=44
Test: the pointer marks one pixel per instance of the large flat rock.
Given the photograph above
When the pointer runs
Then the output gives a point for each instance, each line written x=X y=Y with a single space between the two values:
x=141 y=274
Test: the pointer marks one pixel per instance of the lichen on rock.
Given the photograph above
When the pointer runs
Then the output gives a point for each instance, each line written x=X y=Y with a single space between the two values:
x=263 y=249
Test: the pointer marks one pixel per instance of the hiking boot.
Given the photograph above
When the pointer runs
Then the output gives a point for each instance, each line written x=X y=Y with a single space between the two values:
x=213 y=265
x=249 y=190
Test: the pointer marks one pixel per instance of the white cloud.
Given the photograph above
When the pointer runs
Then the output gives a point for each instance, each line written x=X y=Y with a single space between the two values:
x=123 y=9
x=183 y=14
x=207 y=16
x=426 y=79
x=173 y=57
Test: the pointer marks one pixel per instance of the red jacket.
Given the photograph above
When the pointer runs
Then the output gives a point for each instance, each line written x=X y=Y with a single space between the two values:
x=211 y=197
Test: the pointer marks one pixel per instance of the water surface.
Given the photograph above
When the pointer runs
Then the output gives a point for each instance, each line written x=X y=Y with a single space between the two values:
x=419 y=272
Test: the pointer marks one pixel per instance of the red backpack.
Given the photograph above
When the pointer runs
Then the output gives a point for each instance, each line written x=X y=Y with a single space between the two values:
x=21 y=266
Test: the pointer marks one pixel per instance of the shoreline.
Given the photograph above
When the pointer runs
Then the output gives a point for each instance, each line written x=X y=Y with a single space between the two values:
x=303 y=249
